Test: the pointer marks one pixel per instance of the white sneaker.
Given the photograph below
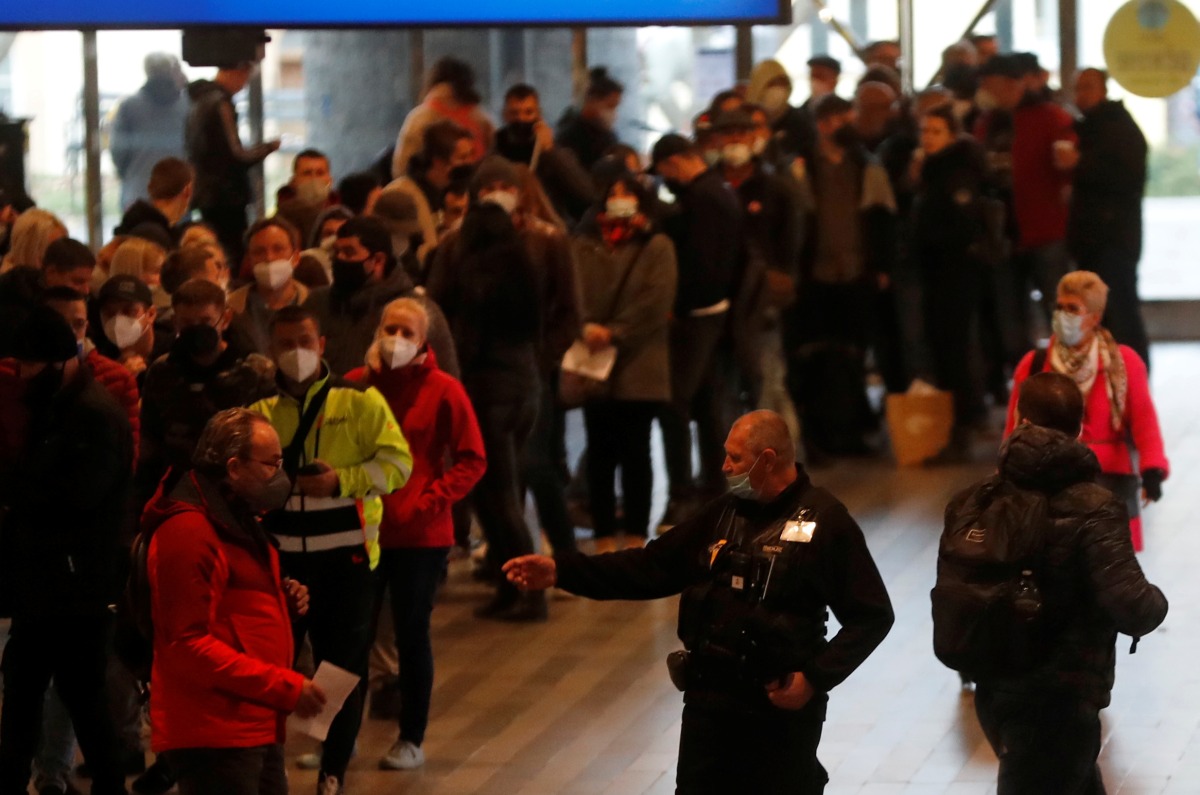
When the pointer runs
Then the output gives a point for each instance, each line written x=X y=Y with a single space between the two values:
x=310 y=761
x=329 y=785
x=403 y=756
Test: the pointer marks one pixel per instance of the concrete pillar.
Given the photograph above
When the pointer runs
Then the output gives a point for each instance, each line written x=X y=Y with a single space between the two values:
x=357 y=91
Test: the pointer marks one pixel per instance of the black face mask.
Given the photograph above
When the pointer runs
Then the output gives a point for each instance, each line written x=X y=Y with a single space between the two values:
x=349 y=276
x=197 y=341
x=521 y=131
x=846 y=137
x=43 y=386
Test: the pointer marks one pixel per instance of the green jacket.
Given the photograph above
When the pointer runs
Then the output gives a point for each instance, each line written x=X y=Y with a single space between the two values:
x=357 y=435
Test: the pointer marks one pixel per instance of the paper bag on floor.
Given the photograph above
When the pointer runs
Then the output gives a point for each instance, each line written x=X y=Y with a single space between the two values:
x=919 y=424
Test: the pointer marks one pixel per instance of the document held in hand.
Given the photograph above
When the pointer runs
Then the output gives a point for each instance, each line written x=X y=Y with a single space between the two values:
x=338 y=684
x=580 y=359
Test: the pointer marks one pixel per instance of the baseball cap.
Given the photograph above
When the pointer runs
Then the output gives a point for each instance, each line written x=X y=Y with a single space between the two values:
x=124 y=287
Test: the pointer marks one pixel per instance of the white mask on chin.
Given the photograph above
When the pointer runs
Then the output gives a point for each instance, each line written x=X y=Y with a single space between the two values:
x=299 y=364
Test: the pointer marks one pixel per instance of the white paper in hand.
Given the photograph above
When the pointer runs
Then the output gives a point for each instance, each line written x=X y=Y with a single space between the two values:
x=338 y=684
x=597 y=365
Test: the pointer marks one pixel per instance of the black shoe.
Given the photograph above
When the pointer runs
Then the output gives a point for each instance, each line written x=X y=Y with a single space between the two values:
x=132 y=763
x=157 y=779
x=529 y=608
x=503 y=599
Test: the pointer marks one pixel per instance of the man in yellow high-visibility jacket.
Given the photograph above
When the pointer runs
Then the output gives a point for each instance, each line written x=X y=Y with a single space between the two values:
x=352 y=452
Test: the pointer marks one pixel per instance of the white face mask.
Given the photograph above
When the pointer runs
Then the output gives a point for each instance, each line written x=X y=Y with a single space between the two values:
x=328 y=241
x=503 y=199
x=760 y=146
x=736 y=155
x=274 y=274
x=299 y=364
x=712 y=157
x=621 y=207
x=775 y=99
x=985 y=100
x=1068 y=328
x=124 y=331
x=396 y=351
x=312 y=191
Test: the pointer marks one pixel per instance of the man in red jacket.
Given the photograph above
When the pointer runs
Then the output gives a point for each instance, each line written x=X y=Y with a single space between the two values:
x=417 y=531
x=222 y=677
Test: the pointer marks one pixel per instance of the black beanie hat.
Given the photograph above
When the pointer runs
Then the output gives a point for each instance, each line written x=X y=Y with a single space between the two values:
x=44 y=336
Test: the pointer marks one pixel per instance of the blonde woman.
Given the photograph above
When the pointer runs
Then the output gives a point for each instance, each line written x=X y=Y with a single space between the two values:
x=143 y=260
x=32 y=232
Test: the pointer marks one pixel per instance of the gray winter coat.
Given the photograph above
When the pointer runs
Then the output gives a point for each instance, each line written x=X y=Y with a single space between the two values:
x=639 y=317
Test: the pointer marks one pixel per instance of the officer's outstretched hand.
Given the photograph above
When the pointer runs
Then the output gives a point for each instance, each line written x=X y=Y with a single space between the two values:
x=791 y=692
x=531 y=572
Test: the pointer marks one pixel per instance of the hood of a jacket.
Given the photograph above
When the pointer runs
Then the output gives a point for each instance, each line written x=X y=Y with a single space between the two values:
x=201 y=88
x=161 y=90
x=1046 y=460
x=141 y=212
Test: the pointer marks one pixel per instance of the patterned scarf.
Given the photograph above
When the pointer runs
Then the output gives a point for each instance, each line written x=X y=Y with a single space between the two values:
x=1082 y=365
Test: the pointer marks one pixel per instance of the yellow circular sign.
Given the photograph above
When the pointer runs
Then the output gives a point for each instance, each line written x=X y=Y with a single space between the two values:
x=1152 y=47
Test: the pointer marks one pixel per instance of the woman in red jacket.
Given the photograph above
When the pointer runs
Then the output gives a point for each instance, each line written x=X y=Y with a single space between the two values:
x=1116 y=393
x=222 y=675
x=418 y=531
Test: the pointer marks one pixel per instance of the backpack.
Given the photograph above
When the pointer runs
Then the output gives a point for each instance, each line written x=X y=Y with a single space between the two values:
x=133 y=639
x=988 y=612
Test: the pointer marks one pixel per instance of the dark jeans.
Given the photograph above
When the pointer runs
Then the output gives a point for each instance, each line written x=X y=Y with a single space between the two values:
x=1047 y=743
x=73 y=651
x=230 y=225
x=1123 y=315
x=341 y=597
x=411 y=577
x=545 y=468
x=230 y=771
x=618 y=433
x=693 y=347
x=498 y=497
x=722 y=751
x=951 y=326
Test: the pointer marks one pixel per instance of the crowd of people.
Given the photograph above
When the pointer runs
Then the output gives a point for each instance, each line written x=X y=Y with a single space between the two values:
x=356 y=365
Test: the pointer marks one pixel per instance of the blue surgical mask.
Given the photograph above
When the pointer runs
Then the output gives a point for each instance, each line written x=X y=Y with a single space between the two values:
x=1068 y=328
x=739 y=485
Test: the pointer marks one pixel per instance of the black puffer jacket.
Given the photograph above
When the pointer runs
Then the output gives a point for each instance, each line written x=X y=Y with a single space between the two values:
x=1089 y=573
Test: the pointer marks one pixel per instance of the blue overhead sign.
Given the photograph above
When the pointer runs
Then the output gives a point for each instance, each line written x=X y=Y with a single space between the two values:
x=35 y=14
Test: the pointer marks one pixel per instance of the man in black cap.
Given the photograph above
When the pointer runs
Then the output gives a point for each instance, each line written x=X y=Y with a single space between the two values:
x=706 y=228
x=64 y=484
x=123 y=324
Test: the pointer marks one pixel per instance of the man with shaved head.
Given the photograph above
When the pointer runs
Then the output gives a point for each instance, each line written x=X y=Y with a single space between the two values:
x=758 y=569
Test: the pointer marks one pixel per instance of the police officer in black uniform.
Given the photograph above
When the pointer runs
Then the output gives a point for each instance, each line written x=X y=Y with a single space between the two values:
x=758 y=568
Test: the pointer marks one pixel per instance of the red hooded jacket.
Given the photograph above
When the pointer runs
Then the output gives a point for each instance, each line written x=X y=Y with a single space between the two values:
x=437 y=420
x=222 y=674
x=116 y=380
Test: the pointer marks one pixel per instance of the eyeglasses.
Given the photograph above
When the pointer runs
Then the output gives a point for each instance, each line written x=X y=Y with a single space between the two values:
x=275 y=465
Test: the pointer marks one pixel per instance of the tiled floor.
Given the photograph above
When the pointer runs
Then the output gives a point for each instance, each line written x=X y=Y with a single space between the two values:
x=582 y=705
